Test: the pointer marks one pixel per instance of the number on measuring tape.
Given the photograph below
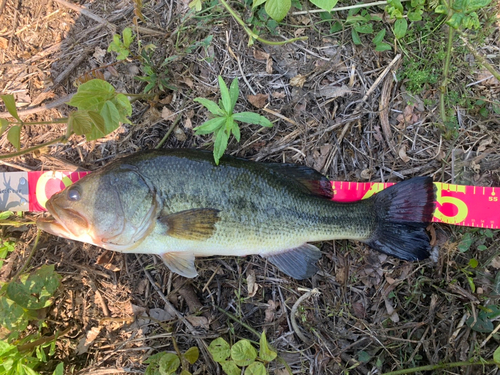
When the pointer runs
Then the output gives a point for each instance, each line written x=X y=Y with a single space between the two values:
x=461 y=207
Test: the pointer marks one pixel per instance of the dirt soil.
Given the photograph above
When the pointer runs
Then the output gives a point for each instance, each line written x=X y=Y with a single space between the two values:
x=337 y=107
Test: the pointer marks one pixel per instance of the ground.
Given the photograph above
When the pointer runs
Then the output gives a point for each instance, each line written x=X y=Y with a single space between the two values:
x=345 y=109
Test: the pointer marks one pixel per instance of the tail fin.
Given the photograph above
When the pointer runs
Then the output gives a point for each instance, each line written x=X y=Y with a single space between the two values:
x=403 y=212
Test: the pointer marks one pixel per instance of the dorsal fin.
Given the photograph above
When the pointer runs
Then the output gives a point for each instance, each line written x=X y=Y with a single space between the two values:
x=309 y=180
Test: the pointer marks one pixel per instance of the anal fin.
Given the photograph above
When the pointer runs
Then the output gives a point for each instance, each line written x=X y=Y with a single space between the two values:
x=181 y=262
x=299 y=263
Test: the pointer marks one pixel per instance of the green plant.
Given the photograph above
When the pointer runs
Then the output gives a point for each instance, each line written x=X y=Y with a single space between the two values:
x=22 y=301
x=242 y=354
x=225 y=121
x=100 y=111
x=167 y=363
x=415 y=10
x=121 y=45
x=362 y=23
x=278 y=9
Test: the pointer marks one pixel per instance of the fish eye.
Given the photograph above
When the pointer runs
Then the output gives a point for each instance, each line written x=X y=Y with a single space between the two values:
x=74 y=194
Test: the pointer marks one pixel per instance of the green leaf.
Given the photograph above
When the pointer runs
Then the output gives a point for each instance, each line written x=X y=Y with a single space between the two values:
x=59 y=369
x=34 y=291
x=277 y=9
x=196 y=4
x=441 y=9
x=400 y=28
x=243 y=353
x=234 y=92
x=225 y=98
x=265 y=353
x=128 y=38
x=230 y=368
x=12 y=315
x=192 y=354
x=211 y=106
x=168 y=363
x=496 y=356
x=472 y=5
x=355 y=37
x=5 y=215
x=10 y=105
x=379 y=37
x=366 y=28
x=80 y=122
x=252 y=118
x=381 y=47
x=473 y=263
x=229 y=124
x=325 y=4
x=219 y=349
x=220 y=145
x=14 y=136
x=236 y=132
x=210 y=126
x=124 y=107
x=256 y=368
x=364 y=357
x=465 y=243
x=111 y=117
x=455 y=20
x=256 y=3
x=3 y=125
x=92 y=95
x=97 y=123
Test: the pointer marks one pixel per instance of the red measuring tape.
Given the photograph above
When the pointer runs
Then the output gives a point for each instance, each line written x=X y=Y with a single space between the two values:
x=472 y=206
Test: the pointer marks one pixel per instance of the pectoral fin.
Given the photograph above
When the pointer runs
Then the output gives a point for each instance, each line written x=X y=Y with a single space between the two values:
x=299 y=263
x=194 y=225
x=181 y=263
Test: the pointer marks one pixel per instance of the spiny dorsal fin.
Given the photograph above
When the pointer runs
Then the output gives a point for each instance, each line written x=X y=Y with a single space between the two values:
x=299 y=263
x=308 y=179
x=196 y=225
x=181 y=263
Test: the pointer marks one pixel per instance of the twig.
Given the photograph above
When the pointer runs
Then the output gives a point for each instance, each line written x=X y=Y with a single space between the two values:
x=478 y=56
x=293 y=319
x=439 y=366
x=34 y=148
x=87 y=13
x=30 y=256
x=41 y=108
x=170 y=130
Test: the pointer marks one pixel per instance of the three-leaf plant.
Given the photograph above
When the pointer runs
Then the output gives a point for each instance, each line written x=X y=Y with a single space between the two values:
x=225 y=121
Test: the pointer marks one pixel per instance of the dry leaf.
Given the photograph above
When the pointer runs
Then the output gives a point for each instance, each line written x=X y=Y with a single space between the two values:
x=4 y=43
x=167 y=114
x=331 y=92
x=269 y=66
x=188 y=124
x=483 y=144
x=179 y=134
x=299 y=32
x=390 y=310
x=366 y=174
x=278 y=94
x=105 y=260
x=271 y=311
x=86 y=341
x=298 y=80
x=359 y=310
x=99 y=54
x=259 y=100
x=260 y=55
x=188 y=81
x=495 y=263
x=198 y=321
x=402 y=154
x=253 y=287
x=160 y=314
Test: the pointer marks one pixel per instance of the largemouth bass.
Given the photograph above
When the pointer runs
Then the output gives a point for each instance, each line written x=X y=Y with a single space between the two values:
x=180 y=205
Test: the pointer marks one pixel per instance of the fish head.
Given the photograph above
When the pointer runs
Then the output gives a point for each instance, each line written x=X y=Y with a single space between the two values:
x=115 y=209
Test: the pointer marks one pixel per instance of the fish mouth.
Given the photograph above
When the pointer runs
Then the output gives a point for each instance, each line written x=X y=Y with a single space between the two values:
x=64 y=223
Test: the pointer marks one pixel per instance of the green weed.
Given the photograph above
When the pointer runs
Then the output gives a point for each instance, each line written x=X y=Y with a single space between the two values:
x=242 y=354
x=168 y=363
x=21 y=300
x=224 y=123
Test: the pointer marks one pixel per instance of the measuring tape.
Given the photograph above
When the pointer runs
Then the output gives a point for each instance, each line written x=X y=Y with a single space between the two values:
x=471 y=206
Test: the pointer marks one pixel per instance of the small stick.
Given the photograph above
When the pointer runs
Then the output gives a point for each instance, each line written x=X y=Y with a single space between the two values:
x=87 y=13
x=293 y=319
